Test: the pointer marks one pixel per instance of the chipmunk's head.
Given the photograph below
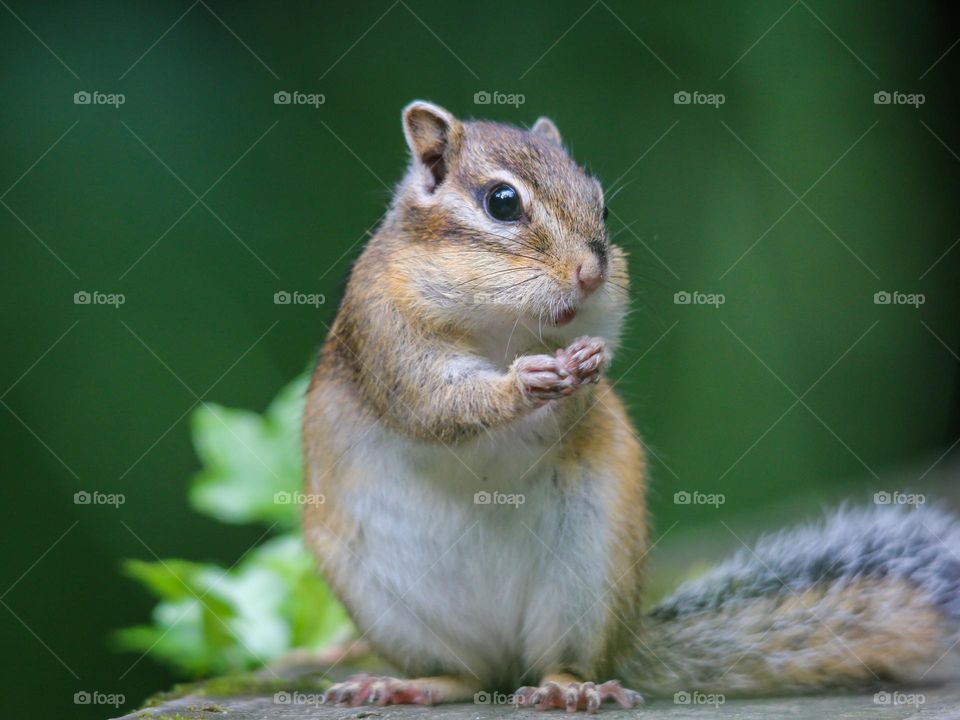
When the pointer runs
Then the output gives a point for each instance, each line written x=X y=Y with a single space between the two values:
x=503 y=224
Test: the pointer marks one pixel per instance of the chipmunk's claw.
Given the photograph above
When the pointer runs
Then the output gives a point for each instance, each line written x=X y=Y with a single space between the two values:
x=546 y=377
x=586 y=696
x=542 y=377
x=372 y=690
x=585 y=358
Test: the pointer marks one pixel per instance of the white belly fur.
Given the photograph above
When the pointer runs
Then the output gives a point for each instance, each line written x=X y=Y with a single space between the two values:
x=501 y=593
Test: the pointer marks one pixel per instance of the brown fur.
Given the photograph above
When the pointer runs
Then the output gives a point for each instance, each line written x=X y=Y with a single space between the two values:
x=401 y=323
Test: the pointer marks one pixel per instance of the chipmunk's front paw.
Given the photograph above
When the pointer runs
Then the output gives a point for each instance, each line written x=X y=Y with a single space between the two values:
x=576 y=696
x=585 y=358
x=542 y=377
x=369 y=689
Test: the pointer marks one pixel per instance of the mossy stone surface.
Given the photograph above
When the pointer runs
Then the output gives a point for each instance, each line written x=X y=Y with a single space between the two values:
x=938 y=704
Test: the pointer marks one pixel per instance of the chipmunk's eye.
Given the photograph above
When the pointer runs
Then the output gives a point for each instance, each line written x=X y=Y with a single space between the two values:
x=503 y=203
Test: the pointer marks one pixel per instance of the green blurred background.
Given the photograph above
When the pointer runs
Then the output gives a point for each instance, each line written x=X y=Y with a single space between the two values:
x=99 y=199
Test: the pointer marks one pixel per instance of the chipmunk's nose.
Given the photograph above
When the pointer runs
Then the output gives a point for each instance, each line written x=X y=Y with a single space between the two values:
x=589 y=275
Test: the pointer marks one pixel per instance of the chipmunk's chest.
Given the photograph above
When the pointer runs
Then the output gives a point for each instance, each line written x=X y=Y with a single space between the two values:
x=477 y=565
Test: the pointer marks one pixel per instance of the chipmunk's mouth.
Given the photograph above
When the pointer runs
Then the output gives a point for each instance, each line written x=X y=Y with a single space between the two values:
x=564 y=316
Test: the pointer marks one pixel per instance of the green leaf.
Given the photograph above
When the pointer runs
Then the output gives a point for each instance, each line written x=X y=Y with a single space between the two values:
x=252 y=463
x=314 y=615
x=170 y=580
x=272 y=602
x=210 y=620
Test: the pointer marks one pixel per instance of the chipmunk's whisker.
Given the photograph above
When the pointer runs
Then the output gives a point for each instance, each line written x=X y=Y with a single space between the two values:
x=506 y=348
x=618 y=286
x=617 y=190
x=487 y=251
x=492 y=274
x=522 y=244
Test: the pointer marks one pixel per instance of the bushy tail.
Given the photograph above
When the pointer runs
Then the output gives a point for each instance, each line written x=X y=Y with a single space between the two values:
x=868 y=597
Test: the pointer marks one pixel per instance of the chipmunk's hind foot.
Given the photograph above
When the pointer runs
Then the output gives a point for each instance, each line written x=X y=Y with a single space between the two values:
x=577 y=696
x=373 y=690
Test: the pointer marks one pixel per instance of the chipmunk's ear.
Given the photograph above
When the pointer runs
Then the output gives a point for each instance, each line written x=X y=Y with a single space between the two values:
x=545 y=128
x=432 y=133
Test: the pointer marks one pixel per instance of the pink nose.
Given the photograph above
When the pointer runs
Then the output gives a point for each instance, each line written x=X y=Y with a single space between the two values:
x=589 y=276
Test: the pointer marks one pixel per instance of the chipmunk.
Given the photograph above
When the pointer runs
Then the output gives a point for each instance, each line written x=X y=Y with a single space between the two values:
x=484 y=519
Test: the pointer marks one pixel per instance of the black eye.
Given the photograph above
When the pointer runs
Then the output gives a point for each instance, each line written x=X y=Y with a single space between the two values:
x=605 y=212
x=503 y=203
